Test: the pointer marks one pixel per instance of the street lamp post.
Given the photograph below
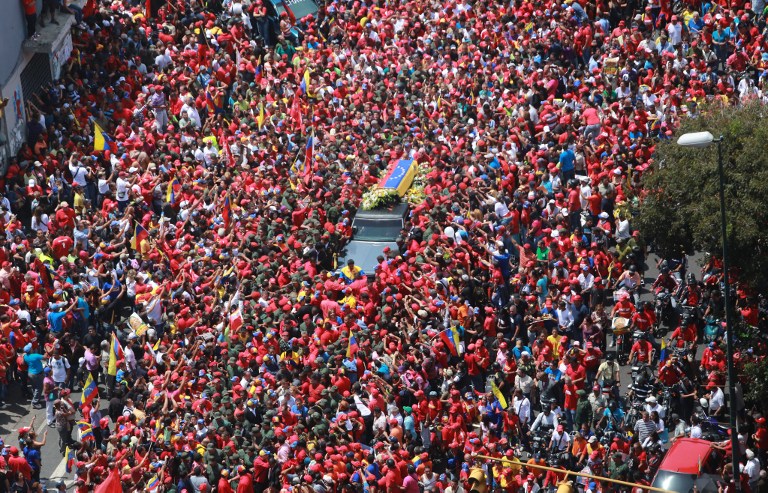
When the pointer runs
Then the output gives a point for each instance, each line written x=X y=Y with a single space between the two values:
x=704 y=139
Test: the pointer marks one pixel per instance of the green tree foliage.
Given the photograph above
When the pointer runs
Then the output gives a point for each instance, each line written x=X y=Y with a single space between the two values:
x=755 y=384
x=682 y=208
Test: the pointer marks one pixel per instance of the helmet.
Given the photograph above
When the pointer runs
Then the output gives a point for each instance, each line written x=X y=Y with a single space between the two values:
x=632 y=269
x=664 y=270
x=703 y=403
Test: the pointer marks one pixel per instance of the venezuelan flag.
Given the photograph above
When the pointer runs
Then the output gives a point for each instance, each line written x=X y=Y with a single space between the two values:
x=153 y=483
x=663 y=353
x=90 y=391
x=101 y=140
x=139 y=234
x=309 y=153
x=86 y=431
x=171 y=193
x=499 y=396
x=115 y=354
x=226 y=212
x=450 y=337
x=71 y=460
x=305 y=83
x=351 y=346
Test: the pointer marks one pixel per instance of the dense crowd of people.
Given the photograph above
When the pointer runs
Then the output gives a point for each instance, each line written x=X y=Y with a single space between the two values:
x=171 y=236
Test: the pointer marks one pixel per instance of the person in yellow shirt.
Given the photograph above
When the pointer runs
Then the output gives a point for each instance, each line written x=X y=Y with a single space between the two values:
x=350 y=271
x=79 y=199
x=554 y=340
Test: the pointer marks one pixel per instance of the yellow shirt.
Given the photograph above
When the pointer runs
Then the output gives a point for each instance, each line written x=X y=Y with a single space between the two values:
x=79 y=202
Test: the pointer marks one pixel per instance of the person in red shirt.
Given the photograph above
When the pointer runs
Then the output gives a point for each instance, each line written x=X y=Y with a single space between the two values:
x=670 y=373
x=761 y=435
x=571 y=400
x=18 y=464
x=391 y=482
x=65 y=216
x=644 y=320
x=643 y=350
x=684 y=335
x=590 y=357
x=576 y=372
x=473 y=361
x=624 y=308
x=223 y=485
x=30 y=12
x=245 y=485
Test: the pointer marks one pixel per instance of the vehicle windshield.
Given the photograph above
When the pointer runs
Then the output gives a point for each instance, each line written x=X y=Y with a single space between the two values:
x=377 y=229
x=674 y=481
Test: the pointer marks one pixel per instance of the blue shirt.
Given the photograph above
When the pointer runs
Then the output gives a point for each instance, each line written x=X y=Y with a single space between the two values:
x=503 y=262
x=34 y=459
x=34 y=362
x=567 y=159
x=55 y=319
x=81 y=303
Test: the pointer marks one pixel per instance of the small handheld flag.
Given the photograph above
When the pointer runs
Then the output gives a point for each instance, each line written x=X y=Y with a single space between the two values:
x=309 y=153
x=171 y=193
x=226 y=212
x=90 y=391
x=86 y=431
x=153 y=483
x=235 y=321
x=450 y=337
x=71 y=460
x=499 y=396
x=101 y=140
x=139 y=234
x=351 y=346
x=305 y=83
x=115 y=354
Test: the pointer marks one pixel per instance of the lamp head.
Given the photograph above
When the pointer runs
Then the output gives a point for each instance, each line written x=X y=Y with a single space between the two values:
x=695 y=139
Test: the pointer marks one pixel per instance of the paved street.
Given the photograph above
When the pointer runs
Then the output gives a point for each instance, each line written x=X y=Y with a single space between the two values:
x=19 y=413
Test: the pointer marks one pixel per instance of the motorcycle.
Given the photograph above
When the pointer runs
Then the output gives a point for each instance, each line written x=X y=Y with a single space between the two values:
x=633 y=415
x=643 y=384
x=712 y=329
x=540 y=440
x=664 y=308
x=622 y=339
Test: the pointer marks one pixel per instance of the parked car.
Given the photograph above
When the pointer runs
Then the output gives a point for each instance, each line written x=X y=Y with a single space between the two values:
x=372 y=232
x=689 y=462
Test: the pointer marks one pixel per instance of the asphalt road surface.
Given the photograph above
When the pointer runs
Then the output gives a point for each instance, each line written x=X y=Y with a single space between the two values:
x=18 y=412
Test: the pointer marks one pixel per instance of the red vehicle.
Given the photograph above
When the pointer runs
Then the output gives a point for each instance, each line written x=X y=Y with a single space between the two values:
x=689 y=461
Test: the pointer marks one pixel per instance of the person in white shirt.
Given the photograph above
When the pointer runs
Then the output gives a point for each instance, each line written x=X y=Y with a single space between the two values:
x=560 y=440
x=522 y=407
x=675 y=31
x=192 y=113
x=546 y=418
x=60 y=367
x=564 y=316
x=586 y=280
x=651 y=404
x=751 y=469
x=379 y=421
x=716 y=400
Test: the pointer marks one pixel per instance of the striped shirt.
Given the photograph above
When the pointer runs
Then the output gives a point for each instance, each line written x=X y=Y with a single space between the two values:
x=644 y=428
